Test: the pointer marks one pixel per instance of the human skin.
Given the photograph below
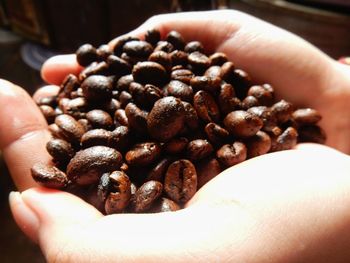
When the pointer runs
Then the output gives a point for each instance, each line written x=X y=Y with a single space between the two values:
x=289 y=206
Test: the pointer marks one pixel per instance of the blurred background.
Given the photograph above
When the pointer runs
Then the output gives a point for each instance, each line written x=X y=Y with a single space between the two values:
x=31 y=31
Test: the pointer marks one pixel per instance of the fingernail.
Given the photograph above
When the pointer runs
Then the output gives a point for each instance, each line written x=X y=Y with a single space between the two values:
x=25 y=218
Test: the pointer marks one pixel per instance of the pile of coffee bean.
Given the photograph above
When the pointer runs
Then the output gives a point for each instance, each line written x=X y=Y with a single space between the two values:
x=147 y=123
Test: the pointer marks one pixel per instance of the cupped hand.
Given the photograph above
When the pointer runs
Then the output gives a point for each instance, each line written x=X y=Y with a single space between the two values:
x=258 y=211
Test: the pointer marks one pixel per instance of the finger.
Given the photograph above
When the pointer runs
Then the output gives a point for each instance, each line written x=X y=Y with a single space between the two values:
x=23 y=133
x=56 y=68
x=46 y=91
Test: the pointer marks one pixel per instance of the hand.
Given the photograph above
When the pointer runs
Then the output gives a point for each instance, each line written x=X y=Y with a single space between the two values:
x=227 y=217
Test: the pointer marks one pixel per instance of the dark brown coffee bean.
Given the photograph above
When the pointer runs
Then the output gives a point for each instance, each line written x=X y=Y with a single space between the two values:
x=88 y=165
x=119 y=193
x=306 y=116
x=152 y=36
x=311 y=133
x=179 y=90
x=206 y=83
x=241 y=81
x=118 y=66
x=232 y=154
x=146 y=195
x=248 y=102
x=85 y=123
x=213 y=72
x=103 y=51
x=77 y=93
x=242 y=123
x=179 y=57
x=218 y=58
x=164 y=205
x=111 y=106
x=120 y=138
x=180 y=182
x=137 y=118
x=263 y=93
x=166 y=119
x=145 y=96
x=164 y=46
x=48 y=112
x=184 y=75
x=86 y=54
x=138 y=48
x=216 y=134
x=158 y=171
x=95 y=68
x=123 y=82
x=287 y=140
x=266 y=115
x=199 y=61
x=175 y=145
x=55 y=131
x=227 y=99
x=97 y=88
x=125 y=98
x=206 y=107
x=207 y=169
x=227 y=71
x=120 y=42
x=198 y=149
x=161 y=57
x=176 y=39
x=120 y=118
x=193 y=46
x=96 y=137
x=143 y=154
x=100 y=119
x=76 y=108
x=70 y=129
x=148 y=72
x=282 y=110
x=69 y=84
x=61 y=150
x=49 y=176
x=47 y=101
x=258 y=144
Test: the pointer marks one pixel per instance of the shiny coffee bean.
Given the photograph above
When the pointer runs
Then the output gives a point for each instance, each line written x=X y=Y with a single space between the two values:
x=97 y=88
x=227 y=99
x=152 y=36
x=198 y=149
x=120 y=42
x=161 y=57
x=118 y=66
x=96 y=137
x=206 y=83
x=193 y=46
x=164 y=205
x=103 y=51
x=88 y=165
x=100 y=119
x=218 y=58
x=137 y=118
x=248 y=102
x=70 y=129
x=183 y=75
x=263 y=93
x=76 y=108
x=266 y=115
x=48 y=112
x=180 y=182
x=306 y=116
x=60 y=150
x=213 y=72
x=147 y=195
x=124 y=82
x=86 y=54
x=231 y=154
x=282 y=110
x=175 y=145
x=120 y=138
x=49 y=176
x=287 y=140
x=199 y=61
x=95 y=68
x=149 y=72
x=164 y=46
x=178 y=57
x=166 y=118
x=242 y=123
x=176 y=39
x=143 y=154
x=125 y=98
x=158 y=171
x=179 y=90
x=138 y=48
x=216 y=134
x=206 y=107
x=258 y=144
x=120 y=118
x=69 y=84
x=191 y=117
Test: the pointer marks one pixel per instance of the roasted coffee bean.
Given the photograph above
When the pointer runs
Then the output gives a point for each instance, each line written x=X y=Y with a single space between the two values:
x=60 y=150
x=184 y=75
x=164 y=46
x=228 y=71
x=123 y=82
x=149 y=72
x=100 y=119
x=119 y=192
x=206 y=83
x=191 y=117
x=120 y=42
x=96 y=137
x=125 y=98
x=231 y=154
x=137 y=118
x=163 y=58
x=258 y=144
x=306 y=116
x=266 y=115
x=287 y=140
x=175 y=145
x=179 y=90
x=85 y=123
x=120 y=138
x=143 y=154
x=311 y=133
x=97 y=88
x=180 y=182
x=120 y=118
x=263 y=93
x=95 y=68
x=48 y=101
x=138 y=48
x=218 y=58
x=164 y=205
x=76 y=108
x=166 y=119
x=103 y=51
x=69 y=84
x=86 y=54
x=158 y=171
x=152 y=36
x=111 y=106
x=193 y=46
x=179 y=57
x=248 y=102
x=198 y=149
x=88 y=165
x=282 y=110
x=48 y=112
x=216 y=134
x=146 y=195
x=55 y=131
x=207 y=169
x=213 y=72
x=176 y=40
x=70 y=129
x=118 y=66
x=242 y=123
x=206 y=107
x=49 y=176
x=199 y=61
x=227 y=99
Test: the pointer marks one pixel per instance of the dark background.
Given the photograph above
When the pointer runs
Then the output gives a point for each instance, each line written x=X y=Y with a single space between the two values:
x=33 y=30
